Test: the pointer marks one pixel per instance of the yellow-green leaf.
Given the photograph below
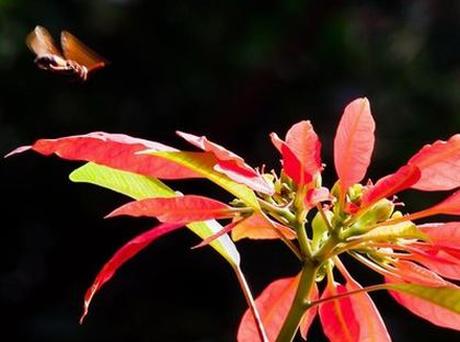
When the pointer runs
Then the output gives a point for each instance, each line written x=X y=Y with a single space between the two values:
x=140 y=187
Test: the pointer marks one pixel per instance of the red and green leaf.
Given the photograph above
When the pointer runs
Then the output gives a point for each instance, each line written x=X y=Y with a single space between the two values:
x=354 y=143
x=182 y=209
x=125 y=253
x=230 y=164
x=439 y=164
x=440 y=305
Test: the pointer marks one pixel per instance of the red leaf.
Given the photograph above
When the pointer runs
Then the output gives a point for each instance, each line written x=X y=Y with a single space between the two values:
x=230 y=164
x=301 y=152
x=414 y=273
x=125 y=253
x=439 y=164
x=354 y=142
x=305 y=144
x=337 y=317
x=429 y=311
x=273 y=303
x=371 y=325
x=443 y=234
x=256 y=227
x=189 y=208
x=402 y=179
x=114 y=150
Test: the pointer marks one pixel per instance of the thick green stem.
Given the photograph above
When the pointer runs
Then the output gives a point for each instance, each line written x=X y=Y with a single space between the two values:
x=291 y=324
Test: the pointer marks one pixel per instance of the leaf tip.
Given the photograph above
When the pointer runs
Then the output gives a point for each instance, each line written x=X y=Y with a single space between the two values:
x=18 y=150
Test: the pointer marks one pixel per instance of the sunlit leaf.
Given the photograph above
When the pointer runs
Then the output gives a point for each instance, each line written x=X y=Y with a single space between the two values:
x=203 y=164
x=141 y=187
x=354 y=142
x=439 y=164
x=391 y=184
x=230 y=164
x=406 y=230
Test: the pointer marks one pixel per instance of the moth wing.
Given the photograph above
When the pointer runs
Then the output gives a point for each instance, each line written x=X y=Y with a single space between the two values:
x=41 y=43
x=75 y=50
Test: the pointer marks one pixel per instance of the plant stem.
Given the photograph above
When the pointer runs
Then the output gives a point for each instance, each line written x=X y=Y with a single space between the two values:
x=291 y=324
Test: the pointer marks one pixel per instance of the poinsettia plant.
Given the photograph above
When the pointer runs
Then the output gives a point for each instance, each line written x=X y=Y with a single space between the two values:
x=319 y=225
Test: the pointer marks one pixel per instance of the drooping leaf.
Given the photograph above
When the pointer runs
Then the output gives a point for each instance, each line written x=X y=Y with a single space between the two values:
x=402 y=179
x=354 y=142
x=440 y=305
x=203 y=164
x=115 y=150
x=274 y=303
x=125 y=253
x=338 y=319
x=256 y=227
x=185 y=209
x=230 y=164
x=142 y=187
x=439 y=164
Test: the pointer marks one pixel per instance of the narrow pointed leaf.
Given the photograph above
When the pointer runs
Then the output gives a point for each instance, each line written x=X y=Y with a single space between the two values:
x=115 y=150
x=402 y=179
x=439 y=164
x=439 y=305
x=188 y=208
x=256 y=227
x=354 y=142
x=203 y=164
x=274 y=303
x=338 y=319
x=230 y=164
x=142 y=187
x=228 y=228
x=125 y=253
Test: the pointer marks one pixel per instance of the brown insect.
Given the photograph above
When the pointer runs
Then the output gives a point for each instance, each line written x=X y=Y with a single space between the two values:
x=76 y=60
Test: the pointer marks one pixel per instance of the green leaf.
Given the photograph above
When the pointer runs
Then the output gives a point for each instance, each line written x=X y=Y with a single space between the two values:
x=140 y=187
x=203 y=164
x=406 y=230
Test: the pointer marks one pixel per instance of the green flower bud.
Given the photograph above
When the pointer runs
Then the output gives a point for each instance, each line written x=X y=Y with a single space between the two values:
x=320 y=229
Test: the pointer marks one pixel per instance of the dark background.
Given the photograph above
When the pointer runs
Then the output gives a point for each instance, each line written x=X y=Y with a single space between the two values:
x=235 y=71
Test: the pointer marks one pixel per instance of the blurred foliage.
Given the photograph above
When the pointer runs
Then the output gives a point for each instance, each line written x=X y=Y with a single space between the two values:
x=234 y=70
